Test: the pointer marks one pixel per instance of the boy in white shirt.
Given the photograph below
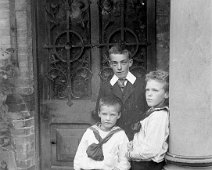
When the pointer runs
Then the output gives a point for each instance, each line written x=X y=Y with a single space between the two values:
x=149 y=145
x=104 y=145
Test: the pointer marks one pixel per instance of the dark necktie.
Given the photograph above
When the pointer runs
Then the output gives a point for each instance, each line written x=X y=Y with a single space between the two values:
x=121 y=83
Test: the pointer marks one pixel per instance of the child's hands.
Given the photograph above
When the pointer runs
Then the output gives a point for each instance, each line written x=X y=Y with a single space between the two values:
x=136 y=127
x=130 y=146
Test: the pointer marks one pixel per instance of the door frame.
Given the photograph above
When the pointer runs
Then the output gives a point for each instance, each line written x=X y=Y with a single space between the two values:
x=35 y=74
x=151 y=63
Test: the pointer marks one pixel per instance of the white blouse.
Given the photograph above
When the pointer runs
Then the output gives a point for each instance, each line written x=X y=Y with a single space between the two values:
x=114 y=151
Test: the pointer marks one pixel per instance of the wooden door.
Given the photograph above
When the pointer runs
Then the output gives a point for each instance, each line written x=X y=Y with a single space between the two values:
x=73 y=37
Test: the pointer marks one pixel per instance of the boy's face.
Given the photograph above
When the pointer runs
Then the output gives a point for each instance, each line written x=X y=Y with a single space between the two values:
x=155 y=93
x=109 y=116
x=120 y=63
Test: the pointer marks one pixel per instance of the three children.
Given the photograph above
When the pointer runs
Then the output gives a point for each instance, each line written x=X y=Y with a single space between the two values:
x=105 y=146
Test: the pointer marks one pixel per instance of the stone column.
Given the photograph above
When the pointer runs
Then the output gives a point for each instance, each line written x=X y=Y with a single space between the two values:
x=190 y=141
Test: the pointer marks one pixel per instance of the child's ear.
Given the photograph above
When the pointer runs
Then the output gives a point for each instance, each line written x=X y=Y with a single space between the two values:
x=99 y=114
x=130 y=62
x=110 y=63
x=119 y=115
x=166 y=95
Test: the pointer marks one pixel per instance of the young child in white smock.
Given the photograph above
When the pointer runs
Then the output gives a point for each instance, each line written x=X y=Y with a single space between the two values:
x=104 y=145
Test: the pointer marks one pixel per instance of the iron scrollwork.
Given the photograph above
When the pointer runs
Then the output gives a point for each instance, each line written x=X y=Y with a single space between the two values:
x=124 y=22
x=69 y=63
x=69 y=43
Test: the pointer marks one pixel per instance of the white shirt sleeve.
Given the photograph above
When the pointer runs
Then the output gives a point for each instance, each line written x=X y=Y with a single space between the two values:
x=149 y=142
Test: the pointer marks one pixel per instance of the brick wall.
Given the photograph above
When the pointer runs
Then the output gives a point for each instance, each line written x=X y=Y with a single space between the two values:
x=22 y=132
x=16 y=33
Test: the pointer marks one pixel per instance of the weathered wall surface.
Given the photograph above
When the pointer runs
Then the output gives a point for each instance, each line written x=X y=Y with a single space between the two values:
x=5 y=24
x=16 y=33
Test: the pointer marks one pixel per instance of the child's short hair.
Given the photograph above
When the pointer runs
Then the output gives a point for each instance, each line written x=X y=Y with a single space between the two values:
x=110 y=100
x=119 y=49
x=161 y=76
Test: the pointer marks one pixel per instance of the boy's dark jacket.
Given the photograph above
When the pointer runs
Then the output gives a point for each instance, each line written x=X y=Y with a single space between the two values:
x=133 y=98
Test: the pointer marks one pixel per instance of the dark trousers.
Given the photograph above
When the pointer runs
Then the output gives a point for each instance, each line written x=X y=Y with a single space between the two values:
x=147 y=165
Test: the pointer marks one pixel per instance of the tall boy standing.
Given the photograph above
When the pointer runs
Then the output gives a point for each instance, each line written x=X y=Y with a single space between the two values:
x=126 y=86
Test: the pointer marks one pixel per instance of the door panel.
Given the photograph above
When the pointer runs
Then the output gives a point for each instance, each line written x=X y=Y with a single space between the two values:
x=62 y=127
x=62 y=149
x=73 y=37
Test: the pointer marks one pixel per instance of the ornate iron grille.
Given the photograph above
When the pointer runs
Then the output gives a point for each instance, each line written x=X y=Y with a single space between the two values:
x=124 y=22
x=69 y=41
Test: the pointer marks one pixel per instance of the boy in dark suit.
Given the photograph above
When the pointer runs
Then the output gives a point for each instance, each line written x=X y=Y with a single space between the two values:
x=126 y=86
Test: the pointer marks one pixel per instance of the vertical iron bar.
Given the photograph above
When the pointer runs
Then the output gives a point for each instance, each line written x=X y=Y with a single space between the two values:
x=69 y=103
x=49 y=43
x=95 y=51
x=151 y=34
x=122 y=4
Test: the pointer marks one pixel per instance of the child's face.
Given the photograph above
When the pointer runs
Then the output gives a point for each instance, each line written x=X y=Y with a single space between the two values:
x=155 y=93
x=109 y=116
x=120 y=63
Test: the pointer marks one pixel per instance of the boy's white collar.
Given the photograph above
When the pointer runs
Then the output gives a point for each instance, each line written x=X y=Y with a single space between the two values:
x=130 y=77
